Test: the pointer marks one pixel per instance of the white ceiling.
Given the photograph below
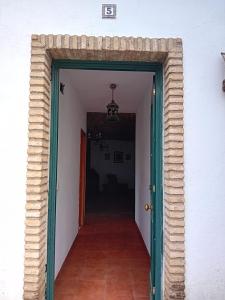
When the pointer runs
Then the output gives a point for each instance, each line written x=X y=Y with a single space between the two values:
x=92 y=87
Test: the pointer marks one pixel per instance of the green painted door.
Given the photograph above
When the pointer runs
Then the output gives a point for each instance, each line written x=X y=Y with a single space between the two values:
x=156 y=190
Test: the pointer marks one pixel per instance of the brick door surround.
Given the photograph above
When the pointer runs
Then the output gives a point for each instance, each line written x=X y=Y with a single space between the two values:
x=167 y=51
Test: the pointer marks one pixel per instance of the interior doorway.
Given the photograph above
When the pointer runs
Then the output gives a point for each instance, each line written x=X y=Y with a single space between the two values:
x=111 y=164
x=123 y=197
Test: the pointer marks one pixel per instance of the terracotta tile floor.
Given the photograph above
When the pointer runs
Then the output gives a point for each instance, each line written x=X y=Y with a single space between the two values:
x=108 y=261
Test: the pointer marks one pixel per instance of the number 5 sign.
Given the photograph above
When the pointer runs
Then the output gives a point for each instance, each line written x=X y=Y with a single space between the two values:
x=109 y=11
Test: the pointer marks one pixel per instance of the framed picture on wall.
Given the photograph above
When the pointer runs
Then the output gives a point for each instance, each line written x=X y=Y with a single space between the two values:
x=118 y=157
x=107 y=156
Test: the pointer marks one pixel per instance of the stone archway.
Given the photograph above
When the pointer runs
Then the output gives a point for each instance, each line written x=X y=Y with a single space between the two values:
x=169 y=52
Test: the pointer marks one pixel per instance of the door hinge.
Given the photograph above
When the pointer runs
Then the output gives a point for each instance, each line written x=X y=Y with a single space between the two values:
x=45 y=281
x=152 y=188
x=153 y=290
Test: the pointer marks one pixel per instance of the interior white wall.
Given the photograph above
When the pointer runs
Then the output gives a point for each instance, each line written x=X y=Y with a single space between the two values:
x=201 y=26
x=142 y=168
x=72 y=117
x=124 y=171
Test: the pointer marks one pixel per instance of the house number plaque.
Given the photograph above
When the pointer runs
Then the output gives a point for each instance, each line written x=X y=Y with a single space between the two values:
x=108 y=11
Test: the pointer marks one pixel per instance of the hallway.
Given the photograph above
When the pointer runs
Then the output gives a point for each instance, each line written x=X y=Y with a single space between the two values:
x=108 y=261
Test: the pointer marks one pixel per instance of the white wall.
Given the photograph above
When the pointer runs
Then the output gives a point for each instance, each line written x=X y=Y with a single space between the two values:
x=72 y=117
x=125 y=171
x=142 y=168
x=201 y=25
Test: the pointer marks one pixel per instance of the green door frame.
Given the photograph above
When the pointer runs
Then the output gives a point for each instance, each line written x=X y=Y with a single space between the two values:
x=158 y=207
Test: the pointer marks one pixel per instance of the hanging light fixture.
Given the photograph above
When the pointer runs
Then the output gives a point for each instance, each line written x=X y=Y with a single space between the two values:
x=112 y=107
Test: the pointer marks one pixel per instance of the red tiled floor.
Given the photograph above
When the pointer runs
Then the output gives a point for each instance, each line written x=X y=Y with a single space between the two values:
x=108 y=261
